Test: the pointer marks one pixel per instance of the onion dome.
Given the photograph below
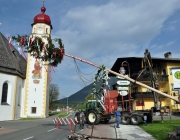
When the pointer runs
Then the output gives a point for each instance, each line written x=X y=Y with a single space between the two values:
x=42 y=18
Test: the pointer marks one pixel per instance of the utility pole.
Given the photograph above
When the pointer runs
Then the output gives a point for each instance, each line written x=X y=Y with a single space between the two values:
x=67 y=105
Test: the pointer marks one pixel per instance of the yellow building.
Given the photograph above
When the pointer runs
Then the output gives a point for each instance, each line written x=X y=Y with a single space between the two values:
x=166 y=70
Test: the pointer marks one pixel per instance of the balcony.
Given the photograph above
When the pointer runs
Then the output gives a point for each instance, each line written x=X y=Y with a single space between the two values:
x=162 y=78
x=176 y=107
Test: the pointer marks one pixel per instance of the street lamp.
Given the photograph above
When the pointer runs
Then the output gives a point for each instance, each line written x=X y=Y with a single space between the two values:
x=67 y=105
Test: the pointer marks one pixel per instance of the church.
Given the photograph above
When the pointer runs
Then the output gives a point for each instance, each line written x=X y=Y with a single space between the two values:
x=24 y=82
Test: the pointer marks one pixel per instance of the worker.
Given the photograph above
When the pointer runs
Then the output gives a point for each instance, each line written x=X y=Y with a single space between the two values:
x=118 y=117
x=145 y=119
x=82 y=119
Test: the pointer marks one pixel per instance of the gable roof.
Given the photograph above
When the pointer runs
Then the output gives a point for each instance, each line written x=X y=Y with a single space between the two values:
x=135 y=63
x=11 y=61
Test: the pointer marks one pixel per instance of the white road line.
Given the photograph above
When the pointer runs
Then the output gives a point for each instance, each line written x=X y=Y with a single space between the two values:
x=51 y=130
x=28 y=138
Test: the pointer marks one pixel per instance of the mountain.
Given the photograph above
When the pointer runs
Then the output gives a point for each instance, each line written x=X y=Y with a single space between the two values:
x=79 y=97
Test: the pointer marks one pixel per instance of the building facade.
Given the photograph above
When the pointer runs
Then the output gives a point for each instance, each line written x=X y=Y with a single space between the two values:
x=24 y=84
x=141 y=98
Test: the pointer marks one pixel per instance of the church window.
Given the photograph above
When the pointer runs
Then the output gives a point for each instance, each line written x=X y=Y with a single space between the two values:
x=33 y=110
x=4 y=94
x=46 y=30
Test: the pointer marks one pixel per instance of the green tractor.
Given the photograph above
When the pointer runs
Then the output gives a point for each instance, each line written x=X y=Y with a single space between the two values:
x=95 y=111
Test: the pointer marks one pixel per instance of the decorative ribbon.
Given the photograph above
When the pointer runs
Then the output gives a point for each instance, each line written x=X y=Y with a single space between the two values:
x=9 y=41
x=103 y=78
x=22 y=48
x=52 y=68
x=33 y=39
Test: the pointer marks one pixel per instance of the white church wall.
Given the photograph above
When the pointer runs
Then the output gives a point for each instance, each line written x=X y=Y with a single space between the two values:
x=19 y=98
x=36 y=90
x=6 y=111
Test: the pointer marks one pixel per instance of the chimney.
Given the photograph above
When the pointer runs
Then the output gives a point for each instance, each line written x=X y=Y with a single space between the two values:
x=168 y=55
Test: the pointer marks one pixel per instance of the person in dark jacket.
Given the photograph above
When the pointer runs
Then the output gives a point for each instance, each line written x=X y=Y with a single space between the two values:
x=82 y=119
x=118 y=118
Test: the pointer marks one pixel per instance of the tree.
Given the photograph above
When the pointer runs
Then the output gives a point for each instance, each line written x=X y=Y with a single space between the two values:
x=89 y=97
x=53 y=94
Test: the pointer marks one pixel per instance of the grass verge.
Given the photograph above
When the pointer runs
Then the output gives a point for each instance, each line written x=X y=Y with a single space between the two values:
x=25 y=119
x=54 y=113
x=63 y=114
x=159 y=130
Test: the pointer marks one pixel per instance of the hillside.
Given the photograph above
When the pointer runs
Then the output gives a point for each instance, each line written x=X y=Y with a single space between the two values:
x=79 y=97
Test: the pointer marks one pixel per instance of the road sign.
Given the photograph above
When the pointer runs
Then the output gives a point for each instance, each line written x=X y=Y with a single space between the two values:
x=122 y=88
x=123 y=82
x=123 y=93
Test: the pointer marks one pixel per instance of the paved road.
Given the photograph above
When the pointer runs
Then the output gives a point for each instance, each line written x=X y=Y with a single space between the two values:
x=43 y=129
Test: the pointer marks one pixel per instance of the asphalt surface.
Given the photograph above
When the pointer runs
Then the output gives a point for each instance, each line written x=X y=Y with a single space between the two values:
x=45 y=129
x=42 y=129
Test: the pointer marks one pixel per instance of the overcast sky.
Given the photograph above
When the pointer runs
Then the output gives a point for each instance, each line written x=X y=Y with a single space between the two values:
x=99 y=31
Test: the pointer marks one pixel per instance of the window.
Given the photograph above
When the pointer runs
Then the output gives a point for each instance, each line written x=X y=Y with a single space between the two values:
x=33 y=110
x=4 y=94
x=46 y=30
x=135 y=89
x=164 y=72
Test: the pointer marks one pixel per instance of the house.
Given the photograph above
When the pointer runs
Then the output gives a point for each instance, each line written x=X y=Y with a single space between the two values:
x=141 y=98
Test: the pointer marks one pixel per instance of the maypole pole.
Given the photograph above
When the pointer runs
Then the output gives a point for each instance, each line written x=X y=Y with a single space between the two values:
x=123 y=76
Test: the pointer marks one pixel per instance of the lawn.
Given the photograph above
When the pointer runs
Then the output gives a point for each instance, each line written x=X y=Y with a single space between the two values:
x=158 y=129
x=53 y=113
x=25 y=119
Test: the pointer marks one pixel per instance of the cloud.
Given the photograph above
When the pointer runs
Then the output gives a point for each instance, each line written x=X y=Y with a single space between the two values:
x=105 y=32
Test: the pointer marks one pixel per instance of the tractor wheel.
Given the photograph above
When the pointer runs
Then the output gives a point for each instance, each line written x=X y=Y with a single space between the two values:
x=106 y=120
x=125 y=120
x=92 y=117
x=98 y=119
x=136 y=119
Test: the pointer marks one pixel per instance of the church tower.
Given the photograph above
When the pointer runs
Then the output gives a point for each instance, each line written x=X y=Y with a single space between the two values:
x=36 y=100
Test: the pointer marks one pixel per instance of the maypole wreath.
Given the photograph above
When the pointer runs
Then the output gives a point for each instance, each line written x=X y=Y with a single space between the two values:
x=103 y=78
x=45 y=52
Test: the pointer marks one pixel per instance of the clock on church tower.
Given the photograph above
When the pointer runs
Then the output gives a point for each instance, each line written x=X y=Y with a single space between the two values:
x=37 y=77
x=42 y=24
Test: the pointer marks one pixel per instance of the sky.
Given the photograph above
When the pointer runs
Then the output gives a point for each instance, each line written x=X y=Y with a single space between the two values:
x=99 y=31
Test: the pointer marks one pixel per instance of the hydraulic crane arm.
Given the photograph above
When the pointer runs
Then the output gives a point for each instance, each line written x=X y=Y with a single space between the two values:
x=149 y=68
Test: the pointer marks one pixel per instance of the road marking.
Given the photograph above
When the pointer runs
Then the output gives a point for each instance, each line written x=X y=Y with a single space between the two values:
x=51 y=130
x=28 y=138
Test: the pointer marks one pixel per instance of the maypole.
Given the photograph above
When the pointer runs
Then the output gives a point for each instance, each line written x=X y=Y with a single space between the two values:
x=123 y=76
x=53 y=56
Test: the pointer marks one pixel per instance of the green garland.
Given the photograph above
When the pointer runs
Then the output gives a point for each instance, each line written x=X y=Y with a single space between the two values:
x=45 y=52
x=103 y=78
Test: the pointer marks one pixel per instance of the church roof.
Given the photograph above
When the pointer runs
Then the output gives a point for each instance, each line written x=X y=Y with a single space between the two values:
x=42 y=18
x=11 y=61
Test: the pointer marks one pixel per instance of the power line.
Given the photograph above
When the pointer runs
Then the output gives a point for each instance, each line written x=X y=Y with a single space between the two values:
x=81 y=74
